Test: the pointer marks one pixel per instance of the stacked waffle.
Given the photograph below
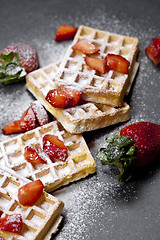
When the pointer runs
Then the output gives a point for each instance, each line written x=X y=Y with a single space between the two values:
x=104 y=93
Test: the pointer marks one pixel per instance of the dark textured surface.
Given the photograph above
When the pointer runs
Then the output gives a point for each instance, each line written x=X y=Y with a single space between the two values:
x=97 y=207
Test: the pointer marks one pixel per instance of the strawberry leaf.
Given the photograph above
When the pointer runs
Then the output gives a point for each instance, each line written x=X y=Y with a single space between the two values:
x=10 y=68
x=120 y=153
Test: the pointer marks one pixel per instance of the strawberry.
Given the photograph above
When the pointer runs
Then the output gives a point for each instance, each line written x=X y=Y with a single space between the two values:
x=117 y=63
x=135 y=146
x=29 y=194
x=11 y=223
x=40 y=113
x=85 y=47
x=31 y=155
x=13 y=127
x=63 y=97
x=74 y=96
x=28 y=120
x=27 y=55
x=97 y=64
x=153 y=53
x=57 y=98
x=65 y=32
x=54 y=148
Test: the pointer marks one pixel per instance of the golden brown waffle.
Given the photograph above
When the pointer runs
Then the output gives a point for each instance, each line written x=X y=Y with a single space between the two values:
x=78 y=165
x=44 y=216
x=78 y=119
x=109 y=88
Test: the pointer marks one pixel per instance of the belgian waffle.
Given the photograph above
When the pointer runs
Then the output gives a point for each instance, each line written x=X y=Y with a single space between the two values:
x=109 y=88
x=80 y=118
x=42 y=217
x=78 y=165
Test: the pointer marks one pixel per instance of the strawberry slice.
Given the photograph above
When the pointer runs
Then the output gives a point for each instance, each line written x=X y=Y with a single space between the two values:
x=58 y=98
x=63 y=97
x=29 y=194
x=54 y=148
x=74 y=96
x=11 y=223
x=85 y=46
x=31 y=155
x=27 y=55
x=40 y=113
x=97 y=64
x=28 y=120
x=13 y=127
x=153 y=54
x=117 y=63
x=65 y=32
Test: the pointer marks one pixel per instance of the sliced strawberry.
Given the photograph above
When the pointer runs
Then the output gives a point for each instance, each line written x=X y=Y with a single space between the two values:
x=65 y=32
x=153 y=54
x=31 y=155
x=27 y=55
x=85 y=46
x=117 y=63
x=74 y=96
x=58 y=98
x=28 y=120
x=97 y=64
x=54 y=148
x=40 y=113
x=29 y=194
x=13 y=127
x=11 y=223
x=156 y=43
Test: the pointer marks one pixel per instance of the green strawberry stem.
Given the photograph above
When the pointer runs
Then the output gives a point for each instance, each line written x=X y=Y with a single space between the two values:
x=10 y=68
x=121 y=153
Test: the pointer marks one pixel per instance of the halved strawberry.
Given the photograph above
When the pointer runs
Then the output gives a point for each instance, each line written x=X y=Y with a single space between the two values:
x=40 y=113
x=65 y=32
x=54 y=148
x=63 y=97
x=31 y=155
x=74 y=96
x=27 y=55
x=13 y=127
x=153 y=54
x=11 y=223
x=57 y=98
x=29 y=194
x=97 y=64
x=117 y=63
x=28 y=120
x=83 y=45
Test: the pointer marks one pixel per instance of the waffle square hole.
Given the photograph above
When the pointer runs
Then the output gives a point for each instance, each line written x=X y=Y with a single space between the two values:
x=15 y=158
x=113 y=39
x=86 y=32
x=111 y=49
x=11 y=146
x=45 y=203
x=10 y=185
x=83 y=80
x=29 y=138
x=5 y=201
x=71 y=65
x=67 y=76
x=36 y=217
x=99 y=35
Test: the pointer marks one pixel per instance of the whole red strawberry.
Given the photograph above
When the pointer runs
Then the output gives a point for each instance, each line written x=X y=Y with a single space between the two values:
x=136 y=145
x=146 y=137
x=27 y=55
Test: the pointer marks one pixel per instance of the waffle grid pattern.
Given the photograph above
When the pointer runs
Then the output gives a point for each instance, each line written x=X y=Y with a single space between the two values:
x=109 y=88
x=36 y=218
x=78 y=119
x=53 y=175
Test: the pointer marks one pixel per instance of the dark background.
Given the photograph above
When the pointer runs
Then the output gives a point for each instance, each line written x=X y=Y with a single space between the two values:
x=98 y=207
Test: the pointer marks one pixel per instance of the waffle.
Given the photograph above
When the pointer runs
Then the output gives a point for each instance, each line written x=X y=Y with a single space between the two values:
x=109 y=88
x=80 y=118
x=44 y=216
x=78 y=165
